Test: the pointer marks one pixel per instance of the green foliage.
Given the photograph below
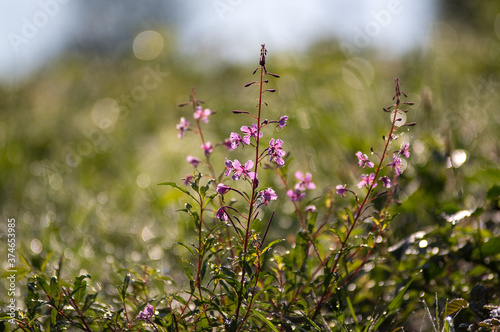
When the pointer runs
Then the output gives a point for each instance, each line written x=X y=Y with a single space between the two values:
x=87 y=203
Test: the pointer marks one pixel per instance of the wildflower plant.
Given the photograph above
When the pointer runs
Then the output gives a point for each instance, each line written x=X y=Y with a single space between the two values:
x=237 y=281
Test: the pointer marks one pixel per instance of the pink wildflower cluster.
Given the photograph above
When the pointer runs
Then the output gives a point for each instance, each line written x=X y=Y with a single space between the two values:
x=305 y=182
x=368 y=180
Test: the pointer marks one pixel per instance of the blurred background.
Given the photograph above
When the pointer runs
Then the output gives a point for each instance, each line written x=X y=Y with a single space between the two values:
x=89 y=93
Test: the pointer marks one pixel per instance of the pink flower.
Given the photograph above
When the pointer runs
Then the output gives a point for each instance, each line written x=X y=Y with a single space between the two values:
x=250 y=132
x=202 y=114
x=147 y=313
x=228 y=144
x=222 y=214
x=188 y=179
x=367 y=180
x=295 y=195
x=193 y=161
x=182 y=127
x=223 y=189
x=396 y=164
x=341 y=190
x=305 y=181
x=363 y=160
x=243 y=171
x=386 y=182
x=405 y=150
x=229 y=167
x=275 y=151
x=236 y=140
x=269 y=195
x=208 y=148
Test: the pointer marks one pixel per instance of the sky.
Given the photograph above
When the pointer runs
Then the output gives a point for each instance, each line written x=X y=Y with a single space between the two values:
x=34 y=32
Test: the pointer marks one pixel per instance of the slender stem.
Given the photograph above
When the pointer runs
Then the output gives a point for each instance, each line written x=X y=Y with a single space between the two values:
x=252 y=199
x=360 y=208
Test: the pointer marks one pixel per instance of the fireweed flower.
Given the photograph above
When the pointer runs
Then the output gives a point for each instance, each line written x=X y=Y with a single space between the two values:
x=367 y=180
x=243 y=170
x=229 y=167
x=305 y=181
x=386 y=182
x=182 y=127
x=281 y=122
x=202 y=114
x=310 y=208
x=363 y=160
x=222 y=188
x=250 y=132
x=208 y=148
x=193 y=161
x=269 y=195
x=397 y=165
x=236 y=140
x=296 y=195
x=228 y=144
x=147 y=313
x=276 y=152
x=222 y=214
x=341 y=190
x=405 y=150
x=187 y=180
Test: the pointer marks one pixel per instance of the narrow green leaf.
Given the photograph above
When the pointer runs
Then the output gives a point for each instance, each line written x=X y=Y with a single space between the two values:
x=396 y=302
x=53 y=316
x=46 y=261
x=272 y=244
x=189 y=249
x=393 y=306
x=351 y=309
x=43 y=284
x=265 y=320
x=54 y=288
x=174 y=185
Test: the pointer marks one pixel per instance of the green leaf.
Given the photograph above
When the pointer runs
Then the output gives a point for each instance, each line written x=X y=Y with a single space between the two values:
x=454 y=306
x=351 y=309
x=46 y=261
x=398 y=300
x=189 y=249
x=272 y=244
x=43 y=284
x=265 y=320
x=490 y=248
x=493 y=192
x=80 y=288
x=393 y=306
x=174 y=185
x=54 y=288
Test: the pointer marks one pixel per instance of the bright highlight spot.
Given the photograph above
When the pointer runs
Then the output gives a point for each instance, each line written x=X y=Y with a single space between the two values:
x=105 y=112
x=36 y=246
x=143 y=180
x=458 y=158
x=400 y=118
x=422 y=243
x=148 y=45
x=459 y=216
